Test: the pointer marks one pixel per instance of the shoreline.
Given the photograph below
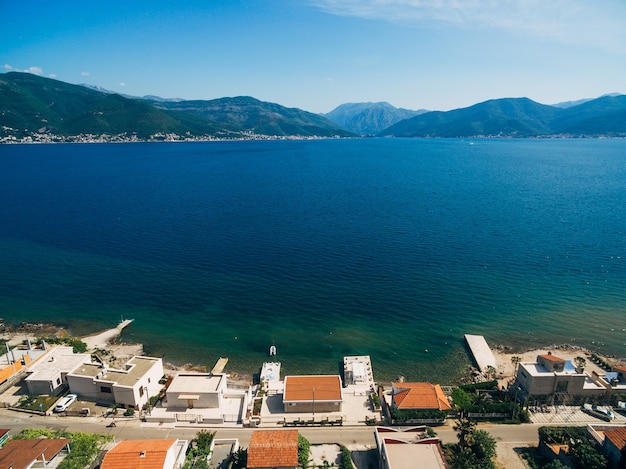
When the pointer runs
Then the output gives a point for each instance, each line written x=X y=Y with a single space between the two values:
x=117 y=353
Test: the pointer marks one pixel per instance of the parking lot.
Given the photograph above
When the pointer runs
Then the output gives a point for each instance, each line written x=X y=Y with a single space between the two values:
x=570 y=415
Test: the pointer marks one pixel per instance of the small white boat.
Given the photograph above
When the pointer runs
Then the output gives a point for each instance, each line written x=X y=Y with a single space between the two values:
x=272 y=350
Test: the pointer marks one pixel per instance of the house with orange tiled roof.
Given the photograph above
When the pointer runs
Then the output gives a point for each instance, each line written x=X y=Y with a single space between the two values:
x=146 y=454
x=273 y=449
x=312 y=393
x=555 y=378
x=419 y=396
x=25 y=454
x=614 y=442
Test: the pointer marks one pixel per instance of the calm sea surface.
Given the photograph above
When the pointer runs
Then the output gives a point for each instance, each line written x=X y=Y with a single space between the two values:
x=392 y=248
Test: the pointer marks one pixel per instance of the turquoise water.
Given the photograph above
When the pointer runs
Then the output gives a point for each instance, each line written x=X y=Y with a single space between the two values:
x=386 y=247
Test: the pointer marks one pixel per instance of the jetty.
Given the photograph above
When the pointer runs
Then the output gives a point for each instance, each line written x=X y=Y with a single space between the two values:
x=219 y=366
x=102 y=339
x=483 y=356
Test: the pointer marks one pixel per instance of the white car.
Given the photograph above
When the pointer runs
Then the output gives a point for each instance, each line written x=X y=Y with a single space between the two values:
x=65 y=403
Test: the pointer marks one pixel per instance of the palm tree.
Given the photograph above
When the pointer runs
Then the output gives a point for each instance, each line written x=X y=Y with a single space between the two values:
x=515 y=360
x=464 y=429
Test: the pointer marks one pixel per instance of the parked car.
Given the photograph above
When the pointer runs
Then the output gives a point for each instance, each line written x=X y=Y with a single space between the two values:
x=65 y=403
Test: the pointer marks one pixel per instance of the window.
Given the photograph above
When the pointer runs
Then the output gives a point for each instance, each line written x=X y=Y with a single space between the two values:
x=561 y=386
x=105 y=390
x=140 y=391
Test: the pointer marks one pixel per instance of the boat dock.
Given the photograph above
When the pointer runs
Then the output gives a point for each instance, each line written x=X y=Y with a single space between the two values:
x=219 y=366
x=483 y=356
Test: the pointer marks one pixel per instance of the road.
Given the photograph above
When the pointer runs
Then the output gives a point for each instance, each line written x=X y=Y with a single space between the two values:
x=133 y=429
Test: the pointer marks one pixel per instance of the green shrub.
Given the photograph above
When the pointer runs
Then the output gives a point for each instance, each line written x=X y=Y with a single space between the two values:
x=346 y=458
x=304 y=451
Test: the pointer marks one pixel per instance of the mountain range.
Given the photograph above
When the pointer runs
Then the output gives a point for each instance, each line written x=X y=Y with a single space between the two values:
x=37 y=108
x=34 y=105
x=369 y=118
x=519 y=117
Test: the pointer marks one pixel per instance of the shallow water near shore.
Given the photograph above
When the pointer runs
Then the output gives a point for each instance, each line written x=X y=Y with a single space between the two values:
x=392 y=248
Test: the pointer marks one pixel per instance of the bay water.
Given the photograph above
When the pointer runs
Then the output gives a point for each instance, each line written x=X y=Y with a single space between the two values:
x=392 y=248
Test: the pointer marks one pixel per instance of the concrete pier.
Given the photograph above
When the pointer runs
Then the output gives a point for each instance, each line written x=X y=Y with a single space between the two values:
x=220 y=365
x=483 y=356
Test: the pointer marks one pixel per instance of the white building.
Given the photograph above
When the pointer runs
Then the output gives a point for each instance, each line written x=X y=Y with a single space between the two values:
x=196 y=390
x=130 y=387
x=49 y=374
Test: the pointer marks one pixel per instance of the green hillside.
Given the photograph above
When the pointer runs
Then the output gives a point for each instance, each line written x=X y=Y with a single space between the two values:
x=30 y=104
x=518 y=117
x=244 y=113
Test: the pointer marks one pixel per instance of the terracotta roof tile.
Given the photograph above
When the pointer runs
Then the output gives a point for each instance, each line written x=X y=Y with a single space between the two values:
x=617 y=436
x=552 y=358
x=420 y=396
x=301 y=388
x=273 y=448
x=19 y=454
x=138 y=454
x=621 y=368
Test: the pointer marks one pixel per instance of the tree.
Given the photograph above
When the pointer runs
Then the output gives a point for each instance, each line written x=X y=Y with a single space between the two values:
x=580 y=363
x=304 y=451
x=461 y=399
x=515 y=360
x=555 y=464
x=484 y=446
x=491 y=372
x=464 y=429
x=586 y=456
x=238 y=459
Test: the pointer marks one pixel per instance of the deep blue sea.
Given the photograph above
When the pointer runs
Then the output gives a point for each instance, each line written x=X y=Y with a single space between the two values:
x=393 y=248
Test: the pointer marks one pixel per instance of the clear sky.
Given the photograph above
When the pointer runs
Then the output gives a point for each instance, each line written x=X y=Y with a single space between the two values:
x=318 y=54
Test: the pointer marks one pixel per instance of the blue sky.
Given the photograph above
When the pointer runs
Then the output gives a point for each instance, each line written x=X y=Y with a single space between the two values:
x=318 y=54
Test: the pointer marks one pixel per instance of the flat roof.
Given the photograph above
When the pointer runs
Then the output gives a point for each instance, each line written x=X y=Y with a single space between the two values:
x=88 y=369
x=195 y=383
x=56 y=361
x=535 y=369
x=139 y=367
x=270 y=371
x=404 y=456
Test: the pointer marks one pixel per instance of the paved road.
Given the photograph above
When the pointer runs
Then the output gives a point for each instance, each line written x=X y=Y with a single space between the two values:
x=17 y=421
x=509 y=437
x=127 y=430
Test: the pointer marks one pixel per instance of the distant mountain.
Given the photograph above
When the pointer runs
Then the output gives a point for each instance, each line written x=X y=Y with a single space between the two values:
x=41 y=109
x=519 y=117
x=30 y=104
x=244 y=113
x=567 y=104
x=369 y=118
